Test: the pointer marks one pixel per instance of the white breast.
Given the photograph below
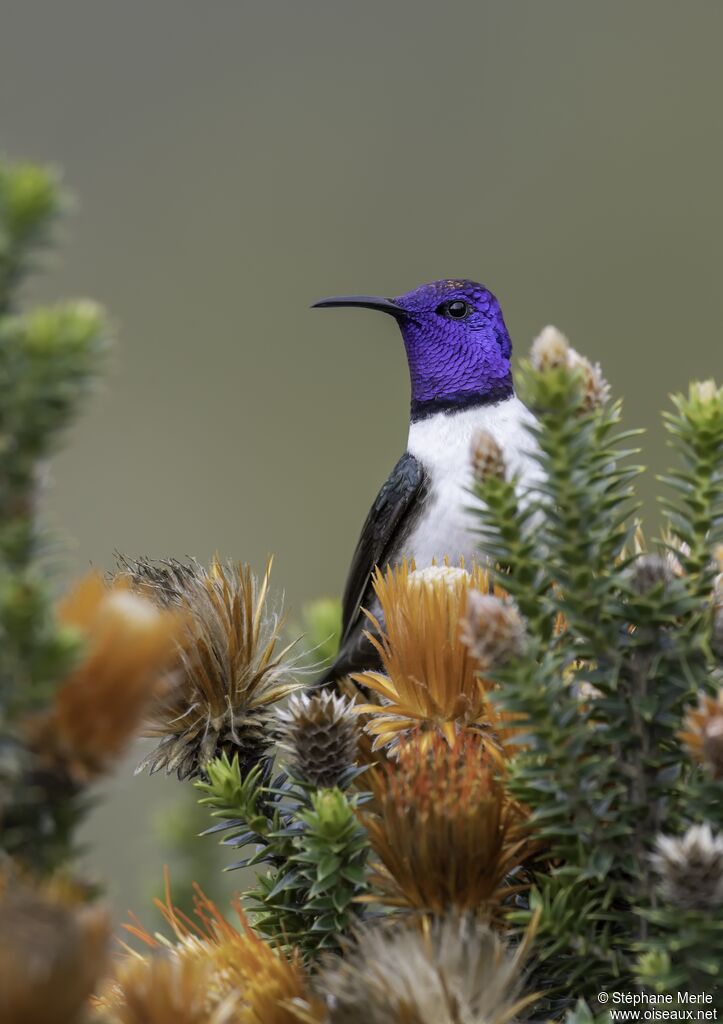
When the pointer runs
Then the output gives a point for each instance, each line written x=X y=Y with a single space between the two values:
x=442 y=444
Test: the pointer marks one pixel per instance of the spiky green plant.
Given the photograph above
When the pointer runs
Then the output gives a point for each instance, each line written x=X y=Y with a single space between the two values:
x=619 y=647
x=48 y=359
x=311 y=841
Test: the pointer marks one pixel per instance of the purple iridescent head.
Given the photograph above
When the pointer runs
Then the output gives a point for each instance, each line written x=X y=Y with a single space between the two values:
x=458 y=347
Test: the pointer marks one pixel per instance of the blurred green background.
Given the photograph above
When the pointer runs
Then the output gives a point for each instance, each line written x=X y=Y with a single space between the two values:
x=234 y=161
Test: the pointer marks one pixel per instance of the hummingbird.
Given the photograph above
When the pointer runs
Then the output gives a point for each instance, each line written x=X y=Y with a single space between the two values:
x=458 y=351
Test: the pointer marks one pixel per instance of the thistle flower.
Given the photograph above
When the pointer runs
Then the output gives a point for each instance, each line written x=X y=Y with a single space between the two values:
x=430 y=676
x=321 y=735
x=51 y=955
x=443 y=828
x=691 y=868
x=262 y=985
x=98 y=708
x=487 y=457
x=551 y=350
x=492 y=629
x=231 y=671
x=453 y=970
x=703 y=733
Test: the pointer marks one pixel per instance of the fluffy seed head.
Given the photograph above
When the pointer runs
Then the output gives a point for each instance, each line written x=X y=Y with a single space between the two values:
x=321 y=735
x=703 y=733
x=453 y=970
x=487 y=457
x=232 y=671
x=691 y=868
x=492 y=629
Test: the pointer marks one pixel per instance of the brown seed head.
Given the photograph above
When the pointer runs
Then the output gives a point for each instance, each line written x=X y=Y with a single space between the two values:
x=321 y=734
x=487 y=457
x=492 y=629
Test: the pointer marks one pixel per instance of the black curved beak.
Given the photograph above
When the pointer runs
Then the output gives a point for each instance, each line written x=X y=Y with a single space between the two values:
x=365 y=301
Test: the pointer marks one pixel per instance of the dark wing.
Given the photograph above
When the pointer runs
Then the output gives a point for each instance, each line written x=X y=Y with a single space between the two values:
x=388 y=523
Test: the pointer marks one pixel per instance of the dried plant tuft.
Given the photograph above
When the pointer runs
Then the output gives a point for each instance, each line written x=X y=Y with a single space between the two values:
x=52 y=953
x=233 y=670
x=452 y=970
x=690 y=868
x=444 y=830
x=129 y=647
x=232 y=974
x=431 y=677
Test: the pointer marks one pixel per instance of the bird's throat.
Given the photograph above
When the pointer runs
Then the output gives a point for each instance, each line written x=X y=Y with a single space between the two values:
x=499 y=391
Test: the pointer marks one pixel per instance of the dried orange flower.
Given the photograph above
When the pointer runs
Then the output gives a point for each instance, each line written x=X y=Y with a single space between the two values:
x=443 y=828
x=98 y=708
x=703 y=733
x=431 y=676
x=166 y=989
x=51 y=955
x=265 y=985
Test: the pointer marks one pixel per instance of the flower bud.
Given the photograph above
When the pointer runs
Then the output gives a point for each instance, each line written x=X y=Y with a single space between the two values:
x=550 y=349
x=492 y=629
x=487 y=457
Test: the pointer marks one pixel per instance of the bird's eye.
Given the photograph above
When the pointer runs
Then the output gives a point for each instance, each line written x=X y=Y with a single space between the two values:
x=457 y=309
